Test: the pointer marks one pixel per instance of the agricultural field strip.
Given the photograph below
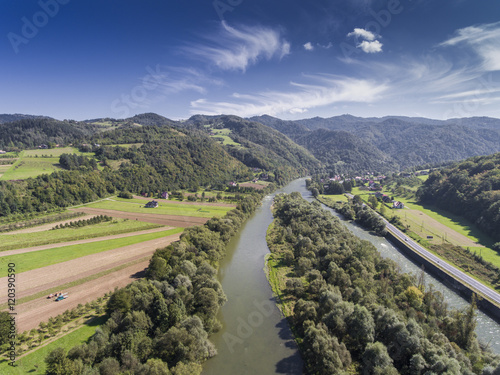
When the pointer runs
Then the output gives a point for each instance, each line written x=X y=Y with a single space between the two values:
x=174 y=209
x=65 y=244
x=43 y=258
x=169 y=220
x=43 y=278
x=105 y=229
x=41 y=309
x=184 y=203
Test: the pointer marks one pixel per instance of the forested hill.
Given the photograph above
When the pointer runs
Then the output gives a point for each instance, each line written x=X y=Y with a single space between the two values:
x=406 y=141
x=470 y=189
x=255 y=144
x=32 y=132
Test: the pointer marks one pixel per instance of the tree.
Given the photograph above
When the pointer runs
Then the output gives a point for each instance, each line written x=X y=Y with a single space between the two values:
x=373 y=201
x=5 y=326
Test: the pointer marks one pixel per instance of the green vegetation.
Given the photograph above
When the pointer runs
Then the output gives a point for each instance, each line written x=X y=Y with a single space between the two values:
x=471 y=190
x=223 y=134
x=32 y=163
x=354 y=312
x=170 y=208
x=28 y=220
x=161 y=324
x=43 y=258
x=118 y=226
x=33 y=363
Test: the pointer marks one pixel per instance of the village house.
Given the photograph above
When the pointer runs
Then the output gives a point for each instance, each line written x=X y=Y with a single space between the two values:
x=398 y=205
x=151 y=204
x=164 y=195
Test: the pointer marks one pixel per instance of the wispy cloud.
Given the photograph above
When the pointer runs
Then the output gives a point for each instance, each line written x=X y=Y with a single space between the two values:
x=324 y=90
x=238 y=48
x=308 y=46
x=484 y=40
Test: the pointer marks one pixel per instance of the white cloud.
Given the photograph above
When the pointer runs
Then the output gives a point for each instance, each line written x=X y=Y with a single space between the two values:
x=236 y=49
x=369 y=44
x=484 y=40
x=370 y=47
x=326 y=90
x=308 y=46
x=362 y=33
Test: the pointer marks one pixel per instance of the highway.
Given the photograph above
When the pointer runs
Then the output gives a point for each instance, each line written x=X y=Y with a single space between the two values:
x=479 y=288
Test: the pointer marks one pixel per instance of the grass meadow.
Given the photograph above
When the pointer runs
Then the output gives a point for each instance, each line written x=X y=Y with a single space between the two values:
x=32 y=163
x=165 y=208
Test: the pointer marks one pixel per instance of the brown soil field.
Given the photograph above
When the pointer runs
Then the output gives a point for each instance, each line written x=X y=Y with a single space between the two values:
x=77 y=242
x=187 y=203
x=31 y=313
x=169 y=220
x=38 y=280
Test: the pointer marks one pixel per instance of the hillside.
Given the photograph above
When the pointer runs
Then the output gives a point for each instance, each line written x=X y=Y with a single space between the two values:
x=409 y=141
x=470 y=189
x=32 y=132
x=258 y=146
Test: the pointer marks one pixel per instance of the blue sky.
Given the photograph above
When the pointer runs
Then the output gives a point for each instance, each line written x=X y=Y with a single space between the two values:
x=291 y=59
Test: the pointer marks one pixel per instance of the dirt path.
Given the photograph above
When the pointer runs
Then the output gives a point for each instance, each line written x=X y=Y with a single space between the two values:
x=171 y=220
x=31 y=313
x=44 y=227
x=38 y=280
x=187 y=203
x=78 y=242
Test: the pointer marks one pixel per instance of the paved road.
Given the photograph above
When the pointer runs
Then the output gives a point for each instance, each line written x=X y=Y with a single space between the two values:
x=475 y=285
x=463 y=277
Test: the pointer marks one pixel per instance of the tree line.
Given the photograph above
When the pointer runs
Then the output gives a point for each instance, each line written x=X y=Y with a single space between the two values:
x=355 y=312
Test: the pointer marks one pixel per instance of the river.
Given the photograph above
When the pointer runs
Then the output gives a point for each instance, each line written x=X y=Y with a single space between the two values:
x=255 y=338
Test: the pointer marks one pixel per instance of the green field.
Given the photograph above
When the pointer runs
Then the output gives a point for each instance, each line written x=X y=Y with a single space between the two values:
x=33 y=363
x=178 y=209
x=118 y=226
x=32 y=163
x=43 y=258
x=224 y=134
x=333 y=198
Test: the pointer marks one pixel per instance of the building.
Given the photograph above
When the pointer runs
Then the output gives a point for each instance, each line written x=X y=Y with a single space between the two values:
x=398 y=205
x=164 y=195
x=151 y=204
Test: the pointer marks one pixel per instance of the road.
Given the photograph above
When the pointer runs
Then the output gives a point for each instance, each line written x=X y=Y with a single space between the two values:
x=465 y=279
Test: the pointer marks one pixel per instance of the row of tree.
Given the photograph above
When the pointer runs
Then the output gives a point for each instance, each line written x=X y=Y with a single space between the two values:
x=160 y=325
x=355 y=312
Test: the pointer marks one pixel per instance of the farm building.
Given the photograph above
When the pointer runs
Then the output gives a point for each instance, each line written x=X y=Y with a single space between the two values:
x=151 y=204
x=398 y=205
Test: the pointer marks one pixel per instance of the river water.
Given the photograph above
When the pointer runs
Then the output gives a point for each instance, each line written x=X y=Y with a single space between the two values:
x=255 y=338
